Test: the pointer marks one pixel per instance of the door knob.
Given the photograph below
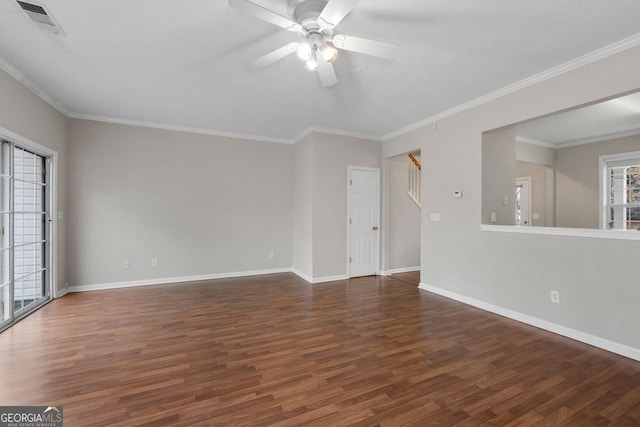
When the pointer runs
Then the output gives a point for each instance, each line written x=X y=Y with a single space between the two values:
x=375 y=228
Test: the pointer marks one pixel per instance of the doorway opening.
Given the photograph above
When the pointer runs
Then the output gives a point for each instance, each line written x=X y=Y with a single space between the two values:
x=523 y=201
x=403 y=212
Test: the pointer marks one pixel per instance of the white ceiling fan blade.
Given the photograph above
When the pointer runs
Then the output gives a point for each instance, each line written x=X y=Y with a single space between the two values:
x=334 y=12
x=274 y=56
x=265 y=14
x=327 y=74
x=366 y=46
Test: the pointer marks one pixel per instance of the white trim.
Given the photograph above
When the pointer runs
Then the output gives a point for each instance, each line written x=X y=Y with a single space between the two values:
x=177 y=128
x=21 y=140
x=302 y=275
x=313 y=280
x=568 y=232
x=608 y=137
x=399 y=270
x=331 y=131
x=604 y=184
x=527 y=179
x=584 y=337
x=532 y=141
x=61 y=293
x=205 y=131
x=602 y=194
x=326 y=279
x=53 y=224
x=589 y=58
x=52 y=171
x=22 y=79
x=167 y=280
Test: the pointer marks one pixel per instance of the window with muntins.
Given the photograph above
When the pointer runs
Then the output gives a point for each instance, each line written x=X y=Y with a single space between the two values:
x=622 y=208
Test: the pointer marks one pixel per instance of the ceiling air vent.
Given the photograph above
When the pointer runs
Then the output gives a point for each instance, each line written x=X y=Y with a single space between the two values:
x=41 y=17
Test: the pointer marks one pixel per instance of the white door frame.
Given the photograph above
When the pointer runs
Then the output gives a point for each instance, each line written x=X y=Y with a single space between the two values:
x=526 y=179
x=377 y=171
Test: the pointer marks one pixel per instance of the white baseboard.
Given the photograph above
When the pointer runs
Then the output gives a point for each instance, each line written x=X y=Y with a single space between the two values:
x=169 y=280
x=584 y=337
x=330 y=278
x=302 y=275
x=314 y=280
x=166 y=280
x=399 y=270
x=61 y=292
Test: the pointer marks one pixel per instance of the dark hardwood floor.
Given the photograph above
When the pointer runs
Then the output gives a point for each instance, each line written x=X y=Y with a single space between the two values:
x=411 y=277
x=273 y=350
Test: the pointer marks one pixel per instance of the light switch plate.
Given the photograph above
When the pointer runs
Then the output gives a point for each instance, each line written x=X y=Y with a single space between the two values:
x=435 y=216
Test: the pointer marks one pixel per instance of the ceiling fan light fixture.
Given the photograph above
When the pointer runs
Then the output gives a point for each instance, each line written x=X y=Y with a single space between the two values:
x=329 y=53
x=311 y=64
x=304 y=51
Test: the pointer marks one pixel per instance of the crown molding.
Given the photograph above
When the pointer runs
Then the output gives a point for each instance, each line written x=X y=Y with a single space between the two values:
x=532 y=141
x=26 y=82
x=154 y=125
x=338 y=132
x=589 y=58
x=600 y=138
x=581 y=61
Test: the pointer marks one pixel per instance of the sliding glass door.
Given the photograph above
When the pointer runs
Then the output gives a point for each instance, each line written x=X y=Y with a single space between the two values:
x=25 y=232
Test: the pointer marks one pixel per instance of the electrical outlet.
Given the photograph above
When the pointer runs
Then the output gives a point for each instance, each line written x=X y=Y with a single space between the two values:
x=154 y=262
x=555 y=297
x=270 y=255
x=126 y=264
x=66 y=285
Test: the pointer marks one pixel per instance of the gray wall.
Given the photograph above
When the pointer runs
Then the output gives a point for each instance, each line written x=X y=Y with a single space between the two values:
x=206 y=205
x=24 y=113
x=531 y=153
x=303 y=206
x=403 y=242
x=578 y=180
x=499 y=176
x=332 y=155
x=199 y=204
x=517 y=271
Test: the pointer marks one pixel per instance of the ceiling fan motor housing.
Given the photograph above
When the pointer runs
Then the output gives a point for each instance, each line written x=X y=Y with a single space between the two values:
x=306 y=12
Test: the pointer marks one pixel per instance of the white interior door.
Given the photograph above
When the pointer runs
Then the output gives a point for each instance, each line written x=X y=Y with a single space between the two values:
x=364 y=221
x=523 y=201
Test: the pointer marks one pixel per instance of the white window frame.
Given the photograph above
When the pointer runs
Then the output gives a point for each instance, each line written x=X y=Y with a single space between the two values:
x=604 y=187
x=24 y=142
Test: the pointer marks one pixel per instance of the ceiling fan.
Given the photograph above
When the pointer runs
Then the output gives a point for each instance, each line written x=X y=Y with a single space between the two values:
x=314 y=22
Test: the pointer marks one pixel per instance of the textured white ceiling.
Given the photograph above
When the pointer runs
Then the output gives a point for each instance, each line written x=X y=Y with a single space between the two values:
x=184 y=63
x=597 y=122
